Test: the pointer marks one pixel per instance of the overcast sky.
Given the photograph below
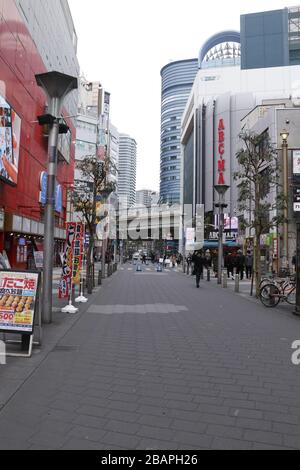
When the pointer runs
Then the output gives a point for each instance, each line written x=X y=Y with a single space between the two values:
x=125 y=43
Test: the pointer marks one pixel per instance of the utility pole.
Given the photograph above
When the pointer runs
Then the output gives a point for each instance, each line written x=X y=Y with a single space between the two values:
x=284 y=136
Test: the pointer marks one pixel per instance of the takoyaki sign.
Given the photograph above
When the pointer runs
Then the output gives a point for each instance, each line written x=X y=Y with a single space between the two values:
x=18 y=294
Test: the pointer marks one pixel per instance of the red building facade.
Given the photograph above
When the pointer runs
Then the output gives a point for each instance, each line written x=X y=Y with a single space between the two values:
x=21 y=212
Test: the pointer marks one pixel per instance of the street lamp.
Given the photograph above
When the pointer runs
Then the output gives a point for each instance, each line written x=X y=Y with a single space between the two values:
x=221 y=190
x=56 y=87
x=284 y=137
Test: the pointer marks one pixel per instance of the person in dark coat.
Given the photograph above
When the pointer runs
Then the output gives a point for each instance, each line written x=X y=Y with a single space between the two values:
x=228 y=264
x=240 y=264
x=199 y=263
x=249 y=264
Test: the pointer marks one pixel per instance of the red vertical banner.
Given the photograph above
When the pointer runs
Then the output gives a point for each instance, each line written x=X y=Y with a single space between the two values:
x=66 y=277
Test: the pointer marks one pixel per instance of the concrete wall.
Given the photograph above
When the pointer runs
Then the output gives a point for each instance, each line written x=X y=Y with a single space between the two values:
x=51 y=27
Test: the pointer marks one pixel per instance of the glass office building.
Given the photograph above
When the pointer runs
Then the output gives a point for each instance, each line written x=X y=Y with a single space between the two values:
x=177 y=81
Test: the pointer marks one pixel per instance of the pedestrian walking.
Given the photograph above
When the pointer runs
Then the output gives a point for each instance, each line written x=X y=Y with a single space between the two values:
x=228 y=264
x=249 y=265
x=189 y=263
x=199 y=263
x=208 y=259
x=214 y=262
x=240 y=262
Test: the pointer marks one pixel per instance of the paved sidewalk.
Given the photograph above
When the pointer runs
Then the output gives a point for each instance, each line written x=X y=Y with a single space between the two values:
x=154 y=363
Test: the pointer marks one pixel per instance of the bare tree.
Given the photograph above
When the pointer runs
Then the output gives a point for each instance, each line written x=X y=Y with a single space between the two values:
x=260 y=194
x=94 y=174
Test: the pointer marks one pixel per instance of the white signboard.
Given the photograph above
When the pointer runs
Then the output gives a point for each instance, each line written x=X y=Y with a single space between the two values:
x=18 y=295
x=296 y=162
x=39 y=259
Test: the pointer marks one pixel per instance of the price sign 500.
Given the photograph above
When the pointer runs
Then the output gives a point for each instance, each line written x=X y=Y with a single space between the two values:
x=7 y=316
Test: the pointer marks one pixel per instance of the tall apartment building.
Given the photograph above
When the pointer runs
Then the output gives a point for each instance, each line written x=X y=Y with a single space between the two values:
x=177 y=81
x=127 y=169
x=146 y=197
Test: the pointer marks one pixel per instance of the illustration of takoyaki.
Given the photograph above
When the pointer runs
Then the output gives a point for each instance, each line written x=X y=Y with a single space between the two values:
x=3 y=300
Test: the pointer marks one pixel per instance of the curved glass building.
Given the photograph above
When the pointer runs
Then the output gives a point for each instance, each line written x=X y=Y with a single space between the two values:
x=221 y=50
x=177 y=81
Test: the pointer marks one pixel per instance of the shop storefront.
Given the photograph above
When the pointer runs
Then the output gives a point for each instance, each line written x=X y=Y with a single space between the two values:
x=24 y=144
x=22 y=237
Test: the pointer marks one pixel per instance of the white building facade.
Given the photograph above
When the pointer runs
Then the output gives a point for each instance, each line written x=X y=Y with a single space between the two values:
x=127 y=170
x=220 y=99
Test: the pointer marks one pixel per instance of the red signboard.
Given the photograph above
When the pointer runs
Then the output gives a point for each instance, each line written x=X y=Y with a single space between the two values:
x=66 y=277
x=221 y=152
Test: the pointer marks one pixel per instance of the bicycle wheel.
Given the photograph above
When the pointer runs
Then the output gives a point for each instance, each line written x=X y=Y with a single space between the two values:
x=290 y=294
x=269 y=295
x=265 y=282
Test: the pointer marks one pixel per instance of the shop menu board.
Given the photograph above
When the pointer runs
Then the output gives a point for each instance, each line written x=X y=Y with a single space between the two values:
x=18 y=301
x=39 y=259
x=10 y=134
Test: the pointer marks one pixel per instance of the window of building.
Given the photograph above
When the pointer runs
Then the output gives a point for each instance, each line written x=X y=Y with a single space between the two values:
x=294 y=35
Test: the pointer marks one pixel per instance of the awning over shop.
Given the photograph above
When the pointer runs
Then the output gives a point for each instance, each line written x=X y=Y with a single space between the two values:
x=214 y=244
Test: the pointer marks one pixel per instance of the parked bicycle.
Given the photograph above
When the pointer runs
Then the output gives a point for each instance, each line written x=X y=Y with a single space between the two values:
x=278 y=291
x=287 y=281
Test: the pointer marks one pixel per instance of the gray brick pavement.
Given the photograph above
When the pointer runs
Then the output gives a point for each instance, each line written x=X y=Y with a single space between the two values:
x=192 y=369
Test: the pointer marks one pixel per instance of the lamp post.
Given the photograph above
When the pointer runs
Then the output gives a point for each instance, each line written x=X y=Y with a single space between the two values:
x=221 y=190
x=284 y=136
x=56 y=87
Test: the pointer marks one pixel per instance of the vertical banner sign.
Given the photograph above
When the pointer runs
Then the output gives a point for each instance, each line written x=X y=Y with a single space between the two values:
x=221 y=152
x=296 y=163
x=77 y=253
x=297 y=199
x=66 y=277
x=18 y=299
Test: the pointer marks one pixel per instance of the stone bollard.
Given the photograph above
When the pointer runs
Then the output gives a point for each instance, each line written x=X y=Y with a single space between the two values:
x=188 y=270
x=99 y=278
x=208 y=275
x=224 y=279
x=237 y=283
